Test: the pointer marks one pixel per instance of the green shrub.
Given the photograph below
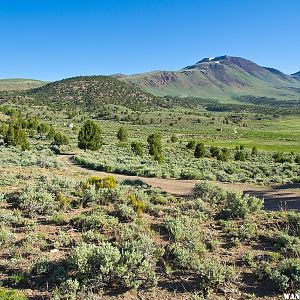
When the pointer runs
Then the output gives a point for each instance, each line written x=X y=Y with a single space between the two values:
x=108 y=182
x=191 y=144
x=125 y=212
x=8 y=294
x=174 y=138
x=254 y=151
x=137 y=148
x=287 y=275
x=223 y=155
x=188 y=238
x=36 y=200
x=213 y=275
x=67 y=290
x=16 y=135
x=239 y=206
x=239 y=231
x=214 y=151
x=130 y=264
x=60 y=139
x=209 y=192
x=285 y=242
x=94 y=220
x=240 y=156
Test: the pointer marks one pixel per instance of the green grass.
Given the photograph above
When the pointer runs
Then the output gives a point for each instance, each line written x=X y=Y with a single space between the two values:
x=19 y=84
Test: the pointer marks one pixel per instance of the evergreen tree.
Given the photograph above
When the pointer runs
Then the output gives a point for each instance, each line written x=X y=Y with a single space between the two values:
x=240 y=155
x=191 y=144
x=122 y=134
x=43 y=128
x=223 y=155
x=199 y=150
x=137 y=148
x=16 y=135
x=174 y=138
x=155 y=147
x=89 y=136
x=3 y=129
x=254 y=151
x=214 y=151
x=51 y=133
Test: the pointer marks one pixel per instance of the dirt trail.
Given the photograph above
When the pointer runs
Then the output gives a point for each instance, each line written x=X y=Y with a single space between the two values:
x=278 y=197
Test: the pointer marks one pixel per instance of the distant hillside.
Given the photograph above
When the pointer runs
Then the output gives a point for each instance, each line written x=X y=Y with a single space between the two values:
x=19 y=84
x=91 y=92
x=223 y=78
x=296 y=75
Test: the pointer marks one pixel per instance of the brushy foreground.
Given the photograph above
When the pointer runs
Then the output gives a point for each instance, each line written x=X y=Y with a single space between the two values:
x=83 y=239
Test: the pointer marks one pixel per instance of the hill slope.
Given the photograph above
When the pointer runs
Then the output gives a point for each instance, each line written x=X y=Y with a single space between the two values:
x=92 y=92
x=19 y=84
x=223 y=77
x=296 y=75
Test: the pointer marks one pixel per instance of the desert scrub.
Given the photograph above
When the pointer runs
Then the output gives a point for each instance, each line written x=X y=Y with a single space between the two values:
x=230 y=204
x=287 y=244
x=187 y=238
x=6 y=237
x=238 y=205
x=96 y=219
x=12 y=157
x=209 y=192
x=239 y=231
x=96 y=190
x=44 y=196
x=14 y=219
x=124 y=212
x=180 y=163
x=130 y=264
x=287 y=275
x=284 y=274
x=213 y=275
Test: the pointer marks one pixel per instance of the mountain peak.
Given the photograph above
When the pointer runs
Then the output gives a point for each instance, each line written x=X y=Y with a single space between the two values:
x=224 y=60
x=213 y=59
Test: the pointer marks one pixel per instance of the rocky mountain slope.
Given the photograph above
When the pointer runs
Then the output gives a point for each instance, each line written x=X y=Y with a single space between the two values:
x=223 y=78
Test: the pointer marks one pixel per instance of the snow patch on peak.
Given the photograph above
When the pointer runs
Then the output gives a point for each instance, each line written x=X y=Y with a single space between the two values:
x=211 y=58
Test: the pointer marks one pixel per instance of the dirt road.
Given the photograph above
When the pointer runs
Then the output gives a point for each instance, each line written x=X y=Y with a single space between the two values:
x=279 y=197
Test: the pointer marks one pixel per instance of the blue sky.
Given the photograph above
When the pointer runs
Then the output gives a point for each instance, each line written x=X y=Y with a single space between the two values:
x=54 y=39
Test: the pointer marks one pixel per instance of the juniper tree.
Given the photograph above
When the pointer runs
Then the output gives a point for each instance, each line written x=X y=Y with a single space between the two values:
x=199 y=150
x=16 y=135
x=137 y=148
x=89 y=136
x=122 y=134
x=155 y=147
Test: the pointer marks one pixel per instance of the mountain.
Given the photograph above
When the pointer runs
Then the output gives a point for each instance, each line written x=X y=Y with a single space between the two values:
x=19 y=84
x=224 y=78
x=296 y=75
x=91 y=92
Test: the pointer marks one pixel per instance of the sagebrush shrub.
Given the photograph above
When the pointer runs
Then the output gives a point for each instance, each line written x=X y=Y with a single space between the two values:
x=287 y=275
x=130 y=264
x=213 y=275
x=238 y=205
x=209 y=192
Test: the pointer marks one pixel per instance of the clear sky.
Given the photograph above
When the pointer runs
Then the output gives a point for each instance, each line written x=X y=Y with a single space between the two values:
x=54 y=39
